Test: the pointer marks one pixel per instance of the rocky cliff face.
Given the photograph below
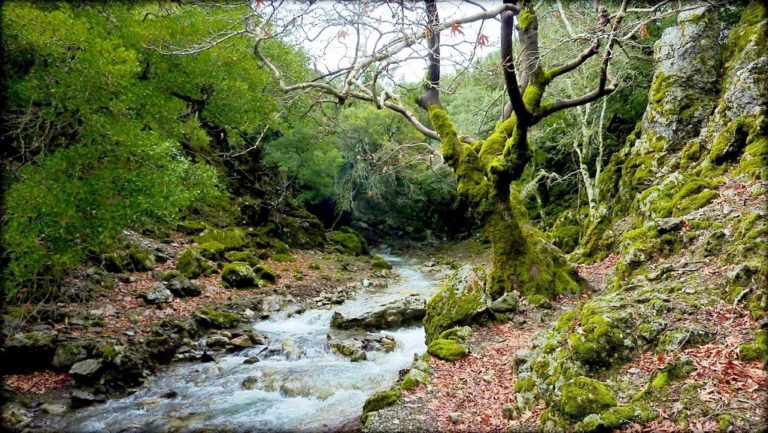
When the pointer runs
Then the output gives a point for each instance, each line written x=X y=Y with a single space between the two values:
x=686 y=212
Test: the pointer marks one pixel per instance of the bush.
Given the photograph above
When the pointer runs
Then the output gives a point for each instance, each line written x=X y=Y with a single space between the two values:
x=78 y=200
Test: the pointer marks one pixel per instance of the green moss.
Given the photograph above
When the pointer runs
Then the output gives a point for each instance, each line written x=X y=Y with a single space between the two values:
x=731 y=140
x=724 y=423
x=694 y=202
x=232 y=238
x=413 y=379
x=659 y=87
x=141 y=259
x=284 y=258
x=380 y=400
x=462 y=333
x=211 y=318
x=671 y=372
x=582 y=396
x=380 y=263
x=348 y=241
x=212 y=250
x=456 y=303
x=600 y=341
x=192 y=227
x=525 y=19
x=566 y=321
x=238 y=275
x=757 y=351
x=266 y=273
x=754 y=161
x=525 y=384
x=247 y=256
x=449 y=350
x=192 y=264
x=616 y=417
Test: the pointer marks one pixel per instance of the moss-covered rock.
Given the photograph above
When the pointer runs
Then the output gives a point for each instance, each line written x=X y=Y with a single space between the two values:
x=380 y=400
x=247 y=256
x=141 y=259
x=266 y=273
x=348 y=241
x=413 y=379
x=757 y=351
x=379 y=263
x=192 y=264
x=458 y=302
x=192 y=227
x=216 y=319
x=238 y=275
x=212 y=250
x=462 y=333
x=449 y=350
x=284 y=258
x=231 y=238
x=616 y=417
x=582 y=396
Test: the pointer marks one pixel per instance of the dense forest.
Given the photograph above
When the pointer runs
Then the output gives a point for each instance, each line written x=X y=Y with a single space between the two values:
x=384 y=216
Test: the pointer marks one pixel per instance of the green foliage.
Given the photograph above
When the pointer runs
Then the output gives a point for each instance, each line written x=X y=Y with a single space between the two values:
x=81 y=198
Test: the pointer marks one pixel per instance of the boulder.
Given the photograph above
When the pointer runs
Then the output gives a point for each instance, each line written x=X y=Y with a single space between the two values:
x=449 y=350
x=182 y=287
x=67 y=355
x=82 y=398
x=242 y=342
x=351 y=349
x=192 y=264
x=217 y=342
x=157 y=295
x=29 y=351
x=86 y=370
x=250 y=382
x=238 y=275
x=459 y=301
x=391 y=315
x=211 y=318
x=507 y=303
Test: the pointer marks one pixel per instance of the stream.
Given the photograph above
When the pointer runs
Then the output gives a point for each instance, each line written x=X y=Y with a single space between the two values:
x=315 y=390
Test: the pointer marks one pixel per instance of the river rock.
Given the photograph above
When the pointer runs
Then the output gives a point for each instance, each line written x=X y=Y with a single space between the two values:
x=86 y=370
x=290 y=351
x=157 y=295
x=82 y=398
x=241 y=342
x=351 y=349
x=217 y=342
x=507 y=303
x=249 y=382
x=15 y=416
x=53 y=409
x=390 y=315
x=251 y=360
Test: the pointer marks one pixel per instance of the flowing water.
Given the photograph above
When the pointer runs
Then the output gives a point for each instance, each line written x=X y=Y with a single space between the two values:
x=314 y=390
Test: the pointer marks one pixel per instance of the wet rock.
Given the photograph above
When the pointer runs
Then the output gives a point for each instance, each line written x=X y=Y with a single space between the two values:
x=250 y=382
x=351 y=349
x=15 y=417
x=290 y=351
x=390 y=315
x=241 y=342
x=251 y=360
x=217 y=342
x=157 y=295
x=81 y=398
x=211 y=318
x=507 y=303
x=53 y=409
x=86 y=370
x=170 y=394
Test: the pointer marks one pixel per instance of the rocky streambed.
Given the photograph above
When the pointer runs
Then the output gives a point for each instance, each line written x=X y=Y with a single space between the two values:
x=299 y=374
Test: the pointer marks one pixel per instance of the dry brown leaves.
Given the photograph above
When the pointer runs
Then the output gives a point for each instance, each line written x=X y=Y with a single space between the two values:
x=595 y=273
x=39 y=382
x=480 y=385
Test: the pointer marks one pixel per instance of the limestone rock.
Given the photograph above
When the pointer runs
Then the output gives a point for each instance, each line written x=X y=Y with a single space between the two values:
x=157 y=295
x=86 y=370
x=387 y=316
